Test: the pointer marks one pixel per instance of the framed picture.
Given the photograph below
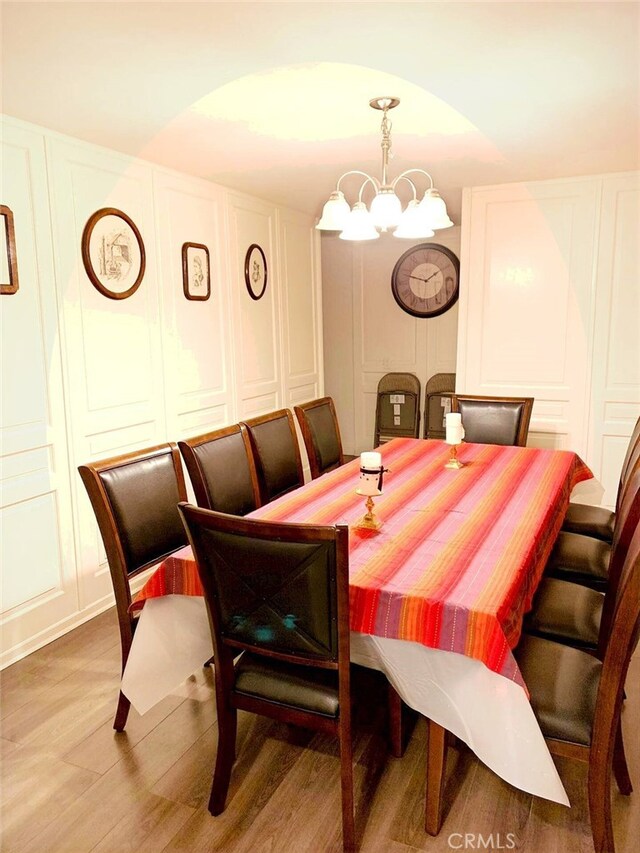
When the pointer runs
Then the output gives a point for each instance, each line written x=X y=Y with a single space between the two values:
x=196 y=276
x=113 y=253
x=255 y=271
x=8 y=260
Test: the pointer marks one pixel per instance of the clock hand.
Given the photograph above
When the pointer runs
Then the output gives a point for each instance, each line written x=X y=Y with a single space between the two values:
x=433 y=275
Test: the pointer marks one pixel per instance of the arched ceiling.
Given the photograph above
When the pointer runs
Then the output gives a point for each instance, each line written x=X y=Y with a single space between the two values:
x=272 y=98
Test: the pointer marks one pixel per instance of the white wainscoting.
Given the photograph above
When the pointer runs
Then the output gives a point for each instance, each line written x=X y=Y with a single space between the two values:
x=550 y=308
x=366 y=334
x=86 y=377
x=39 y=591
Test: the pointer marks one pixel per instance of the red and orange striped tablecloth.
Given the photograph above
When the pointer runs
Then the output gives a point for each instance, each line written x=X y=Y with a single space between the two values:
x=460 y=553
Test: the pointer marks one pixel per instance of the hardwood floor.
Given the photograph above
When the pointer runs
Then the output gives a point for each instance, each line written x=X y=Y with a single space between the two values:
x=71 y=785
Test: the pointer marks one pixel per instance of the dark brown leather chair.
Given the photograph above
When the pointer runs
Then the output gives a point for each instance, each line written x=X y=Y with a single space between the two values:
x=278 y=594
x=494 y=420
x=598 y=521
x=135 y=500
x=577 y=698
x=275 y=448
x=222 y=470
x=583 y=559
x=579 y=615
x=321 y=434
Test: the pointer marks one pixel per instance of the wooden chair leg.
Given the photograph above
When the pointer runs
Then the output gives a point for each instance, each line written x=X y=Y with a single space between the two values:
x=396 y=740
x=620 y=768
x=227 y=725
x=600 y=806
x=436 y=766
x=346 y=780
x=122 y=712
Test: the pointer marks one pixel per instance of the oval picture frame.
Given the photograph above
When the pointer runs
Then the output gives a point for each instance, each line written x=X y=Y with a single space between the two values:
x=255 y=271
x=113 y=253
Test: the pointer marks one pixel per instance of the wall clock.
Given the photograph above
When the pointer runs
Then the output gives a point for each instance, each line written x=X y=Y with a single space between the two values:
x=425 y=279
x=255 y=271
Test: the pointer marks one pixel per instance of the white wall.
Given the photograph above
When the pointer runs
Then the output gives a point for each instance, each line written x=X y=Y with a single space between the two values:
x=550 y=308
x=366 y=333
x=86 y=377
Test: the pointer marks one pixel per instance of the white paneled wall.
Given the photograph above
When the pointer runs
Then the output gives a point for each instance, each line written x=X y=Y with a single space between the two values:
x=38 y=570
x=85 y=377
x=550 y=307
x=366 y=333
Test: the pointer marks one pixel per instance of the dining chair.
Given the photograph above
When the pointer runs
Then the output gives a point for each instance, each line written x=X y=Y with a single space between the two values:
x=275 y=447
x=579 y=615
x=583 y=559
x=321 y=435
x=135 y=498
x=397 y=408
x=222 y=470
x=494 y=420
x=598 y=521
x=577 y=698
x=278 y=596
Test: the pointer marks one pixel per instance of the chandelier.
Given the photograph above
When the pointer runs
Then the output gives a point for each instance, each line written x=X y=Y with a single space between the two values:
x=419 y=219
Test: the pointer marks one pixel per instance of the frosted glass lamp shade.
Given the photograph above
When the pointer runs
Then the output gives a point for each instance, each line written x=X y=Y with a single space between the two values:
x=386 y=209
x=359 y=225
x=335 y=213
x=435 y=210
x=413 y=223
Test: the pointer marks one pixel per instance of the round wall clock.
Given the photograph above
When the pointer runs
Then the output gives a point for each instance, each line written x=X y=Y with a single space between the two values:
x=425 y=280
x=255 y=271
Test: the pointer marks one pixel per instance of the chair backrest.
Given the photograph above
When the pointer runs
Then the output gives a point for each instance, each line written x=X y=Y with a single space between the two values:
x=631 y=457
x=222 y=470
x=622 y=643
x=438 y=395
x=321 y=435
x=275 y=447
x=397 y=407
x=277 y=589
x=135 y=500
x=494 y=420
x=626 y=522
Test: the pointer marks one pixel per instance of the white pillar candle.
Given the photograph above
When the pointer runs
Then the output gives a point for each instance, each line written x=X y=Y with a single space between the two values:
x=454 y=429
x=370 y=459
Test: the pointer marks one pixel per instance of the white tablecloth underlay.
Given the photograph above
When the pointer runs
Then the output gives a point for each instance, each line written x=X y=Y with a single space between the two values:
x=491 y=714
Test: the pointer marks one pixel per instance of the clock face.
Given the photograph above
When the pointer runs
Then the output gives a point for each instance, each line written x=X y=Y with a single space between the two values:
x=255 y=271
x=424 y=281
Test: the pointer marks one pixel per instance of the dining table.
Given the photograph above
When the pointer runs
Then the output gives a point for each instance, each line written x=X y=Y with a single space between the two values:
x=438 y=594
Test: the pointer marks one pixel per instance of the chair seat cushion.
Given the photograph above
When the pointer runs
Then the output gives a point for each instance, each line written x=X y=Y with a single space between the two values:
x=563 y=685
x=300 y=687
x=581 y=559
x=588 y=520
x=566 y=612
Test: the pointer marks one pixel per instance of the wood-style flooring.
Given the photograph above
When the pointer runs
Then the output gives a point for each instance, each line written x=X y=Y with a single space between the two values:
x=71 y=785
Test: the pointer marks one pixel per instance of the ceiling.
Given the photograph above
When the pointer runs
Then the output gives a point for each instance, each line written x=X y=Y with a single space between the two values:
x=272 y=98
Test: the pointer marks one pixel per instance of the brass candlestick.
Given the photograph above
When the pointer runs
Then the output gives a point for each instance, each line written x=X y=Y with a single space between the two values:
x=369 y=520
x=454 y=462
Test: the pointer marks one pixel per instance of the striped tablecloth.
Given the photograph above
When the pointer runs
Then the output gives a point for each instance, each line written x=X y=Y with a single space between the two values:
x=460 y=553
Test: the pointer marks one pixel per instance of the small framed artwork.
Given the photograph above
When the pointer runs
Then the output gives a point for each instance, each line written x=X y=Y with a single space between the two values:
x=113 y=253
x=196 y=275
x=255 y=271
x=8 y=260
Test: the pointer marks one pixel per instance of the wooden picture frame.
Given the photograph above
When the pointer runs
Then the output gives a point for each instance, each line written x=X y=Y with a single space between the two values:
x=196 y=271
x=113 y=253
x=255 y=271
x=8 y=259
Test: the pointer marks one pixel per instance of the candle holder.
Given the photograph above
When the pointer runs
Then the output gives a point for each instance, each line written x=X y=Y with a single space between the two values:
x=454 y=462
x=369 y=520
